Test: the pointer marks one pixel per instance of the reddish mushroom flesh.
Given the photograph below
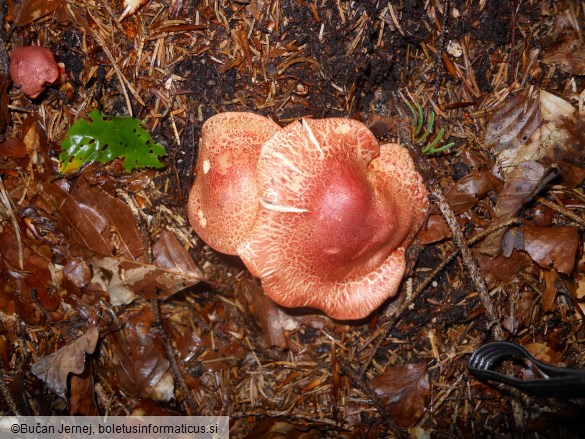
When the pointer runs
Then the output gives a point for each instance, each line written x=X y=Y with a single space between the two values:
x=223 y=202
x=32 y=68
x=338 y=212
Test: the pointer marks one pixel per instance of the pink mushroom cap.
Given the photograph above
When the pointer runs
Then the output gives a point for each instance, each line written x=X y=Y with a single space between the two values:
x=223 y=203
x=32 y=68
x=338 y=212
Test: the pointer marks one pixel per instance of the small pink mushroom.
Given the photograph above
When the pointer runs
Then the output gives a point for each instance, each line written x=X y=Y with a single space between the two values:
x=338 y=212
x=222 y=202
x=32 y=68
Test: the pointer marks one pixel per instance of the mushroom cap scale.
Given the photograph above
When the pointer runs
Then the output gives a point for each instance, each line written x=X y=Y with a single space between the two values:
x=32 y=68
x=338 y=212
x=223 y=202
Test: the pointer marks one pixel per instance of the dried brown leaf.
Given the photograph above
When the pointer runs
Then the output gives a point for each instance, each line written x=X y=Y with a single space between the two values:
x=82 y=225
x=568 y=55
x=550 y=291
x=13 y=148
x=97 y=221
x=521 y=185
x=172 y=270
x=552 y=247
x=77 y=273
x=406 y=390
x=435 y=229
x=140 y=365
x=464 y=194
x=118 y=217
x=28 y=11
x=82 y=400
x=36 y=283
x=54 y=368
x=544 y=353
x=530 y=127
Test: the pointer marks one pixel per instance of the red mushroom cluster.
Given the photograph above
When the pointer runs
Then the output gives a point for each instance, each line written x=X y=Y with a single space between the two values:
x=317 y=210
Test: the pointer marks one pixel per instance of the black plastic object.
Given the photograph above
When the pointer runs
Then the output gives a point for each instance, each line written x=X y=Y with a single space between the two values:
x=558 y=382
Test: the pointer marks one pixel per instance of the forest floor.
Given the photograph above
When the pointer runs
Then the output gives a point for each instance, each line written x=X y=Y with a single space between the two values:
x=505 y=81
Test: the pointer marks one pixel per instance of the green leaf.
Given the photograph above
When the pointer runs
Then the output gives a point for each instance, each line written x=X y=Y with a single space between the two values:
x=104 y=139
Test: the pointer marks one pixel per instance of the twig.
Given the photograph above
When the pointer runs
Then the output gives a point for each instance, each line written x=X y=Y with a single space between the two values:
x=313 y=421
x=562 y=210
x=178 y=377
x=392 y=316
x=5 y=392
x=468 y=258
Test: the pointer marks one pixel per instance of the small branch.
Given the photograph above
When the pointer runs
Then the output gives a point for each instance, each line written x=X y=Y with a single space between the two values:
x=562 y=210
x=468 y=259
x=5 y=392
x=390 y=320
x=178 y=377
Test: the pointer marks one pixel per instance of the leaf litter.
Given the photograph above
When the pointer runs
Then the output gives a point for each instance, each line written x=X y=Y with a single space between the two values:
x=102 y=248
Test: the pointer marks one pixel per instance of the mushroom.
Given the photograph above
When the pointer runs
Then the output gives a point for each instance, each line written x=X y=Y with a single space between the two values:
x=337 y=214
x=222 y=202
x=32 y=68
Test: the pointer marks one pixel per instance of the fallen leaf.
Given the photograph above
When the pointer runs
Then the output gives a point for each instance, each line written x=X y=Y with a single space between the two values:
x=275 y=320
x=140 y=365
x=550 y=291
x=103 y=139
x=35 y=138
x=521 y=186
x=434 y=230
x=500 y=269
x=527 y=179
x=533 y=131
x=525 y=310
x=172 y=270
x=568 y=52
x=529 y=127
x=13 y=148
x=406 y=390
x=35 y=284
x=82 y=399
x=96 y=220
x=466 y=192
x=568 y=55
x=76 y=274
x=553 y=246
x=130 y=7
x=544 y=353
x=119 y=218
x=54 y=368
x=28 y=11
